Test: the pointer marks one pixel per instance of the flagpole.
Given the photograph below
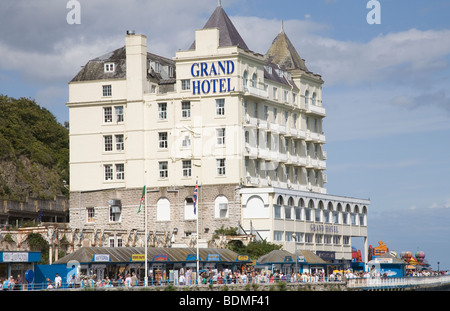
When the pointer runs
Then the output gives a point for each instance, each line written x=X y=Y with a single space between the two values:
x=198 y=263
x=146 y=237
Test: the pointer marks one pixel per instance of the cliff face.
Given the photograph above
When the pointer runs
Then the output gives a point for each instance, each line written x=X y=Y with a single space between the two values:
x=34 y=151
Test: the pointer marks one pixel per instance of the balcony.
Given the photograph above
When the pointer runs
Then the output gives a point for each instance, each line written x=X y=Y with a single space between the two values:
x=253 y=91
x=316 y=110
x=250 y=121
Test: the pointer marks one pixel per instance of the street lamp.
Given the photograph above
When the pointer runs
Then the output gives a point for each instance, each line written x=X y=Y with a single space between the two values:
x=438 y=267
x=295 y=251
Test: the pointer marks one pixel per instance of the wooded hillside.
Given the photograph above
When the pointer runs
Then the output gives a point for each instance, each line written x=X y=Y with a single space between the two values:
x=34 y=151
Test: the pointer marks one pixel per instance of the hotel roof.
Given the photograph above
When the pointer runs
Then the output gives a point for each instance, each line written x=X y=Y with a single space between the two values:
x=228 y=35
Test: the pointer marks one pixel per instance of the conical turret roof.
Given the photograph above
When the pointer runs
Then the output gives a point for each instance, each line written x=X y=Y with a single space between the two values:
x=228 y=35
x=283 y=53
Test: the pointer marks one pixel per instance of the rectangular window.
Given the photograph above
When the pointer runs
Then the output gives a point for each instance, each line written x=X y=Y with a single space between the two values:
x=107 y=90
x=109 y=67
x=185 y=85
x=220 y=163
x=107 y=114
x=308 y=237
x=220 y=107
x=162 y=111
x=275 y=93
x=163 y=169
x=119 y=113
x=220 y=134
x=187 y=168
x=109 y=174
x=90 y=214
x=186 y=143
x=114 y=213
x=120 y=143
x=120 y=171
x=335 y=217
x=163 y=140
x=266 y=113
x=185 y=110
x=277 y=235
x=108 y=142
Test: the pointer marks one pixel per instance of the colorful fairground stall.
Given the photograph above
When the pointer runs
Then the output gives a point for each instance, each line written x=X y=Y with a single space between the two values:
x=387 y=265
x=415 y=263
x=164 y=264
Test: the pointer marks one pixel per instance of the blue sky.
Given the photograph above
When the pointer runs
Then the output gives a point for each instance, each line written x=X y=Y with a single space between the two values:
x=386 y=87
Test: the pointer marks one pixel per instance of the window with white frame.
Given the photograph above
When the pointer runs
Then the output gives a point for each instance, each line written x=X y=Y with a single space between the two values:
x=118 y=110
x=245 y=79
x=221 y=207
x=220 y=165
x=185 y=85
x=220 y=134
x=109 y=67
x=115 y=213
x=90 y=214
x=254 y=80
x=120 y=171
x=120 y=144
x=162 y=111
x=185 y=110
x=163 y=169
x=186 y=142
x=163 y=144
x=220 y=107
x=107 y=90
x=278 y=235
x=108 y=142
x=336 y=239
x=187 y=166
x=346 y=240
x=109 y=172
x=275 y=93
x=107 y=114
x=308 y=238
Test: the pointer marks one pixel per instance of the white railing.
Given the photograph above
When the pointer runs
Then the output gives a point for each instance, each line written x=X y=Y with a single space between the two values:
x=407 y=282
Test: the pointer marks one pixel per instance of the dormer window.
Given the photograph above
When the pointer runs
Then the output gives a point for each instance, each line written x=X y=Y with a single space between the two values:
x=109 y=67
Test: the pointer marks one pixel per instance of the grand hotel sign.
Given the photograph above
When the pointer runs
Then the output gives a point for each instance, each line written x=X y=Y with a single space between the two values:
x=215 y=77
x=324 y=228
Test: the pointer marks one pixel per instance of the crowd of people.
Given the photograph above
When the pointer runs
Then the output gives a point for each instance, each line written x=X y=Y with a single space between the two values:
x=188 y=277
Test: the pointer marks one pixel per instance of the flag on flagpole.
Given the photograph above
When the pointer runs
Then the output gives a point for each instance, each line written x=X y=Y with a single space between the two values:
x=195 y=197
x=142 y=199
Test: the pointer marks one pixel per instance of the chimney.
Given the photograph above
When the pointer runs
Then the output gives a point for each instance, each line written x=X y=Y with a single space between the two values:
x=136 y=53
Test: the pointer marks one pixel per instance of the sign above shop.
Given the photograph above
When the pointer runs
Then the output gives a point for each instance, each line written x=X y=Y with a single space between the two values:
x=101 y=258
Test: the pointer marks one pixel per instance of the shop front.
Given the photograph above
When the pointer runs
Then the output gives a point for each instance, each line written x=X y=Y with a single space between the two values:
x=17 y=263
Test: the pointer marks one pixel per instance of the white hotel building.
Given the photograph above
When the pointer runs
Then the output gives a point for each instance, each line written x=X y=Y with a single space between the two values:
x=247 y=126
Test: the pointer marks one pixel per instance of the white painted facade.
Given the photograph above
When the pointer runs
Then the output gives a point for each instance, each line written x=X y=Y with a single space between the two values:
x=222 y=123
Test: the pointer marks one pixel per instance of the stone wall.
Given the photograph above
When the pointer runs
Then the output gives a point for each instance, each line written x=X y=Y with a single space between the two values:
x=130 y=228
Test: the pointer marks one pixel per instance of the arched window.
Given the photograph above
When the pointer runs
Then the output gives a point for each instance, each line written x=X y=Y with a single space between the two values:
x=288 y=208
x=277 y=207
x=255 y=208
x=314 y=99
x=163 y=210
x=221 y=207
x=254 y=80
x=189 y=208
x=245 y=79
x=306 y=98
